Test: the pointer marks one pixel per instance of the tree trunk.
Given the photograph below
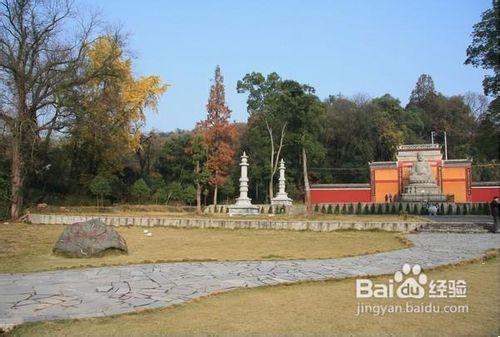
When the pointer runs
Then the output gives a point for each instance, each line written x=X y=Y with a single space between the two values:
x=198 y=189
x=16 y=181
x=215 y=195
x=271 y=188
x=198 y=198
x=307 y=189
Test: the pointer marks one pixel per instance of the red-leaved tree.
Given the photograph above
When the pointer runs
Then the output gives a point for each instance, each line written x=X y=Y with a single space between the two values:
x=219 y=135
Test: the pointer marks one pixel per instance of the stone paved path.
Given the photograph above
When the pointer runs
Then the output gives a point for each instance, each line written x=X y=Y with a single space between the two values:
x=112 y=290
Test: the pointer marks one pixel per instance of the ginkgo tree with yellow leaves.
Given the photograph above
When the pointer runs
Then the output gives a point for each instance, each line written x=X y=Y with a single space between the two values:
x=109 y=110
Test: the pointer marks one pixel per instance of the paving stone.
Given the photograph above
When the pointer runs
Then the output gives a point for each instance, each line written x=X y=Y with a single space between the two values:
x=113 y=290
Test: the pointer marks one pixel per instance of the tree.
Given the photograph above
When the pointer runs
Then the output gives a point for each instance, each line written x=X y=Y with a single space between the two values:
x=100 y=186
x=218 y=134
x=424 y=90
x=386 y=117
x=477 y=103
x=175 y=163
x=140 y=190
x=483 y=50
x=261 y=106
x=39 y=61
x=443 y=114
x=148 y=152
x=304 y=114
x=109 y=110
x=198 y=155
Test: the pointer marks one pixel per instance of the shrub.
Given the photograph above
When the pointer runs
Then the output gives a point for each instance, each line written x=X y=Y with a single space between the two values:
x=140 y=190
x=423 y=210
x=4 y=195
x=450 y=210
x=365 y=209
x=393 y=209
x=100 y=187
x=344 y=209
x=358 y=208
x=486 y=209
x=337 y=211
x=316 y=208
x=329 y=210
x=161 y=195
x=372 y=209
x=189 y=195
x=473 y=209
x=350 y=209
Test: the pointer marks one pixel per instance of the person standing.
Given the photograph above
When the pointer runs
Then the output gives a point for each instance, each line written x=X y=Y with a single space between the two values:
x=494 y=213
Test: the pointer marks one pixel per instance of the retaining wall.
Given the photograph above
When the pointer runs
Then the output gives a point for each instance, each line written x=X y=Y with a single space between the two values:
x=322 y=226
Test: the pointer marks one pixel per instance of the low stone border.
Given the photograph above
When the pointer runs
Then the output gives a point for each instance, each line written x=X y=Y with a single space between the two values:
x=320 y=226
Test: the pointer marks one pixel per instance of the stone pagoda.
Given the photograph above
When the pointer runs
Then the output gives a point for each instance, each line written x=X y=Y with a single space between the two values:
x=281 y=197
x=422 y=185
x=243 y=205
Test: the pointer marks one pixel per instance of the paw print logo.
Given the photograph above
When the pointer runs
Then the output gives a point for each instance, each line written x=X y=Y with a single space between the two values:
x=412 y=279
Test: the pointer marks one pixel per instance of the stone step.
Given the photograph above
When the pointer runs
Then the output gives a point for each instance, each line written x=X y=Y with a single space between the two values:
x=454 y=228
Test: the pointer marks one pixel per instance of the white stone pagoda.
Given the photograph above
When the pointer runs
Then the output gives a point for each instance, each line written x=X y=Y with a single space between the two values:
x=243 y=205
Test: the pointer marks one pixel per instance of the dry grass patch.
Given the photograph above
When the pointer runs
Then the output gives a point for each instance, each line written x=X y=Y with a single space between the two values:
x=306 y=309
x=27 y=248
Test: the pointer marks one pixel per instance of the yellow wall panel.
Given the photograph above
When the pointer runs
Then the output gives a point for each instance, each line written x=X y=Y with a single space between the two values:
x=454 y=173
x=457 y=188
x=386 y=174
x=383 y=189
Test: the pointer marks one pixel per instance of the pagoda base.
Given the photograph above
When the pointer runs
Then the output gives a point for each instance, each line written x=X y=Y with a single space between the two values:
x=407 y=197
x=281 y=200
x=243 y=207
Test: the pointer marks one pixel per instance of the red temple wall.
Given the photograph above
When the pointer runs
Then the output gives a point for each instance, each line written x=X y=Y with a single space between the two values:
x=325 y=196
x=484 y=193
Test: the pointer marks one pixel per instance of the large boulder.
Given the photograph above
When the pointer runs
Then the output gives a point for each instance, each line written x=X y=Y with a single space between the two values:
x=89 y=238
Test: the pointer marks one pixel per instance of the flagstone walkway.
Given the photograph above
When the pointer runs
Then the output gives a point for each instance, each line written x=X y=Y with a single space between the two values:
x=94 y=292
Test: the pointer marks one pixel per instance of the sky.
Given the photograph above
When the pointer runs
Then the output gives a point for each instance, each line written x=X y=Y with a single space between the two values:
x=336 y=46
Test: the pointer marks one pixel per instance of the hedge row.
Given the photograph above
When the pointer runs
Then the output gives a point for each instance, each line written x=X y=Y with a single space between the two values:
x=403 y=208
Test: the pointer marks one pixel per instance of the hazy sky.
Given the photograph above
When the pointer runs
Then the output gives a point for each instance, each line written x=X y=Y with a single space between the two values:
x=349 y=46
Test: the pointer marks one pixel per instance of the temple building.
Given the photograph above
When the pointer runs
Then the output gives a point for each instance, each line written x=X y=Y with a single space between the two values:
x=448 y=180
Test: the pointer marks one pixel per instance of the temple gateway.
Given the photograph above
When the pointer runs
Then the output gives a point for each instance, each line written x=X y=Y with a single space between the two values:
x=419 y=174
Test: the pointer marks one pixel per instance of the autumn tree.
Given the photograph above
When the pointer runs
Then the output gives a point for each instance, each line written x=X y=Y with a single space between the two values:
x=219 y=135
x=39 y=62
x=109 y=110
